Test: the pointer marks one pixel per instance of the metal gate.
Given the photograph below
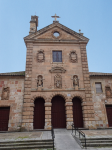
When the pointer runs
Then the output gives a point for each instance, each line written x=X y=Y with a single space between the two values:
x=58 y=112
x=4 y=118
x=109 y=114
x=39 y=114
x=77 y=113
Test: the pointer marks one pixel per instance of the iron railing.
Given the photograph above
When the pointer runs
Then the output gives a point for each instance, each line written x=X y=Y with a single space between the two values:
x=53 y=135
x=80 y=133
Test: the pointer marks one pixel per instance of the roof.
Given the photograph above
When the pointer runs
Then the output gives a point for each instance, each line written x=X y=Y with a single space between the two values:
x=99 y=74
x=21 y=73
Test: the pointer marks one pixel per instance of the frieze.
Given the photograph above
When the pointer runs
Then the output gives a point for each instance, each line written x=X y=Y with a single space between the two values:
x=57 y=70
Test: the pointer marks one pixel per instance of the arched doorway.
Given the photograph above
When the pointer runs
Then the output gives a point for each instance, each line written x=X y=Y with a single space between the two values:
x=39 y=114
x=77 y=112
x=58 y=112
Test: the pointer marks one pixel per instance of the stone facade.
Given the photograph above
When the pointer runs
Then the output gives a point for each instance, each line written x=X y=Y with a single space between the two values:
x=46 y=79
x=100 y=99
x=14 y=101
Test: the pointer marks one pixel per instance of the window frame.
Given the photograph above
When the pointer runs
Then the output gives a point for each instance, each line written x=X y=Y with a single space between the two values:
x=61 y=56
x=101 y=87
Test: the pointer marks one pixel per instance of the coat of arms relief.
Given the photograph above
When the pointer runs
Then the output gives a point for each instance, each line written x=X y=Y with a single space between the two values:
x=5 y=93
x=73 y=57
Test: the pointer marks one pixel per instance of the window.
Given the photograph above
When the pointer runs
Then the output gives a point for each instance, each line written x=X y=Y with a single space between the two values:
x=56 y=34
x=57 y=56
x=98 y=87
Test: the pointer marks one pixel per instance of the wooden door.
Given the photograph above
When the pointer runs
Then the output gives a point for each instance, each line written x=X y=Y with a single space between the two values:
x=39 y=114
x=77 y=113
x=4 y=118
x=109 y=114
x=58 y=112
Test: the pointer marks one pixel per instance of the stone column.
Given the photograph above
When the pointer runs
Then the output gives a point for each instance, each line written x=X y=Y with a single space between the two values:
x=87 y=105
x=48 y=115
x=69 y=114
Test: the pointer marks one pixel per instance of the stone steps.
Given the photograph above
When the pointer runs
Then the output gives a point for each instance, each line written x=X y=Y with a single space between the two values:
x=29 y=144
x=97 y=142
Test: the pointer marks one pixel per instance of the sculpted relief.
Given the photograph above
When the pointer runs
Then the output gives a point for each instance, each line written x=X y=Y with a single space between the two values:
x=40 y=56
x=58 y=81
x=5 y=93
x=75 y=81
x=39 y=81
x=108 y=92
x=73 y=56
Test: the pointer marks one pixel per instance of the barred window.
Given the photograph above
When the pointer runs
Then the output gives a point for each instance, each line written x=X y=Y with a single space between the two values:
x=57 y=56
x=98 y=87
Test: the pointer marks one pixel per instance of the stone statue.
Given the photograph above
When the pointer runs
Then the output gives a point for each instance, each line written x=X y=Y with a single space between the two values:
x=40 y=81
x=75 y=80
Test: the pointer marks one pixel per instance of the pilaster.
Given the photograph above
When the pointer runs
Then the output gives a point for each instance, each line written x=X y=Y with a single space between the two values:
x=88 y=109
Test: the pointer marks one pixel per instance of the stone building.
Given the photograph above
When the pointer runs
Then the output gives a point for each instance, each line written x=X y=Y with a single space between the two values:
x=56 y=88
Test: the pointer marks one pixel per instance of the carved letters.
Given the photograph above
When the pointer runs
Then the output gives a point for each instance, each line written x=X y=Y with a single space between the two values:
x=5 y=93
x=73 y=56
x=58 y=81
x=40 y=56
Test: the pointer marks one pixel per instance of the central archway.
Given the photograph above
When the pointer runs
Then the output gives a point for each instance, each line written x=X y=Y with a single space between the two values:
x=39 y=114
x=58 y=112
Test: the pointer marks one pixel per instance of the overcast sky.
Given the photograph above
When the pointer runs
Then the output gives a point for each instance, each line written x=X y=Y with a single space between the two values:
x=93 y=17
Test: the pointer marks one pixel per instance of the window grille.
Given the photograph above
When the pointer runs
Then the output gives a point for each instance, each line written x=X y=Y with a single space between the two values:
x=57 y=56
x=98 y=87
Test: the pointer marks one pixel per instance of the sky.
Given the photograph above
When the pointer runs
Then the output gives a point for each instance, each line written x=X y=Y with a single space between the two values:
x=93 y=17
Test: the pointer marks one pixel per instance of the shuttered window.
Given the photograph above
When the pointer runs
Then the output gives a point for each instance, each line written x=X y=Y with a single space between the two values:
x=57 y=56
x=98 y=87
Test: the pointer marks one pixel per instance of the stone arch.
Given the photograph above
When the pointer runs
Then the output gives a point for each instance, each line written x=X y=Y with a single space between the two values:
x=80 y=96
x=58 y=94
x=39 y=96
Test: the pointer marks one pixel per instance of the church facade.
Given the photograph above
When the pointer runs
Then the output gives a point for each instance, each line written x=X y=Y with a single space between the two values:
x=56 y=88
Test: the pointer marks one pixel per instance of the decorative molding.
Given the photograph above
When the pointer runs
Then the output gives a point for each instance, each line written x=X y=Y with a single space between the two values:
x=73 y=57
x=57 y=70
x=40 y=56
x=5 y=93
x=108 y=92
x=80 y=96
x=56 y=30
x=57 y=81
x=39 y=96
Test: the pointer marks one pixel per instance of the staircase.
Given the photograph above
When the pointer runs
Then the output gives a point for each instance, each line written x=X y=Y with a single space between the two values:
x=97 y=142
x=28 y=144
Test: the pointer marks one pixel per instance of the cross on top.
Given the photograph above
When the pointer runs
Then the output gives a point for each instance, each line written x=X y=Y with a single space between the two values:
x=55 y=16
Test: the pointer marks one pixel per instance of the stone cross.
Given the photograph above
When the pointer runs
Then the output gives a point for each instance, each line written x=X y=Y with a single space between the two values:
x=55 y=16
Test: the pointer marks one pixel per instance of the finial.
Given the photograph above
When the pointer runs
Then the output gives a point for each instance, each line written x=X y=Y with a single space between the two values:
x=79 y=30
x=55 y=16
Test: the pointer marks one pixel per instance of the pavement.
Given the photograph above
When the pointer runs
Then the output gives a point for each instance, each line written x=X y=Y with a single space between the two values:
x=63 y=138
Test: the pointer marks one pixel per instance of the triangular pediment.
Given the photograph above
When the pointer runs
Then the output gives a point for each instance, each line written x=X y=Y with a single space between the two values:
x=64 y=34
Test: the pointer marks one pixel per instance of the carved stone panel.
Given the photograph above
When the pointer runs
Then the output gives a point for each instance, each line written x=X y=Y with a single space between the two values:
x=73 y=57
x=108 y=92
x=58 y=81
x=40 y=56
x=75 y=81
x=5 y=93
x=57 y=70
x=39 y=81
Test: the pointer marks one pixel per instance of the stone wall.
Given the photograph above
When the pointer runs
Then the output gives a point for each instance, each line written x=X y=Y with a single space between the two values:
x=14 y=101
x=100 y=100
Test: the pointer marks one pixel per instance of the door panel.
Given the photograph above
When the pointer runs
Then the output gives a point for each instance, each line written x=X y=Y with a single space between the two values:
x=4 y=118
x=77 y=113
x=58 y=112
x=39 y=114
x=109 y=114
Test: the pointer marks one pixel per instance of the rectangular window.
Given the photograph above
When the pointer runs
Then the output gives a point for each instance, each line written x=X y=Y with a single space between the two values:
x=98 y=87
x=57 y=56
